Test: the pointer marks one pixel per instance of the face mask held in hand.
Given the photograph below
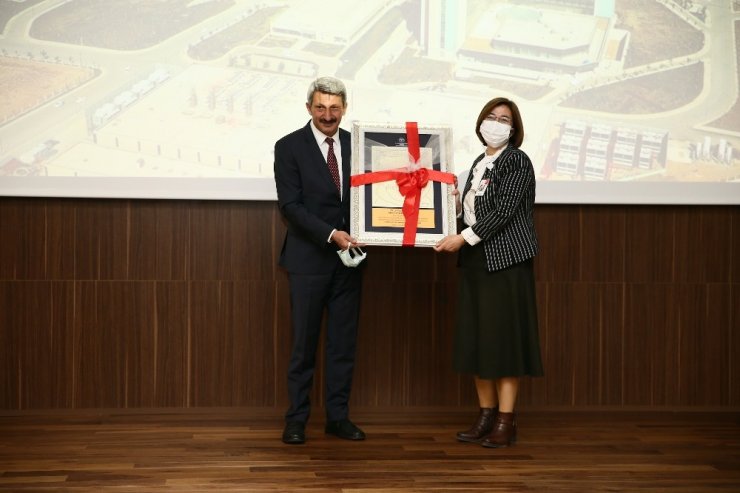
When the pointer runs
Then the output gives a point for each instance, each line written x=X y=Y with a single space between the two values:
x=353 y=258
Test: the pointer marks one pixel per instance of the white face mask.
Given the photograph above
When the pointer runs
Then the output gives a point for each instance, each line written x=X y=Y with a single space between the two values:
x=495 y=133
x=352 y=259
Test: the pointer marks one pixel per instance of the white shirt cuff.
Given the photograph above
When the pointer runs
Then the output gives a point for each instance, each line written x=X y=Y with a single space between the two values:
x=470 y=237
x=328 y=240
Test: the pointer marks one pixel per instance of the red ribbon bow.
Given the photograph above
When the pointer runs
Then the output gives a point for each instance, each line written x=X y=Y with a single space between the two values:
x=410 y=183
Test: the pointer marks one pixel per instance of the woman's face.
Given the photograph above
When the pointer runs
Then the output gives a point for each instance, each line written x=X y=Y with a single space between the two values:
x=502 y=114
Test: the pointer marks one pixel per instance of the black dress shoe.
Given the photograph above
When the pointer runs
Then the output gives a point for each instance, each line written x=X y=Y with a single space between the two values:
x=294 y=433
x=344 y=428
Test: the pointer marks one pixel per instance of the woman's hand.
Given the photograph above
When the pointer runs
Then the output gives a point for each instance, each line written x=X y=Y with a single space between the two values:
x=456 y=193
x=451 y=243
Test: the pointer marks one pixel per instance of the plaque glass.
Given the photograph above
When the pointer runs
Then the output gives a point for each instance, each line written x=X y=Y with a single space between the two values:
x=376 y=216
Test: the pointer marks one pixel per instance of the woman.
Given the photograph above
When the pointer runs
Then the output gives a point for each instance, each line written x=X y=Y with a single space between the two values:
x=497 y=337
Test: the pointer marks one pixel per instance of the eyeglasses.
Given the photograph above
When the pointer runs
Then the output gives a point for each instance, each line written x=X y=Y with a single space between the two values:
x=501 y=119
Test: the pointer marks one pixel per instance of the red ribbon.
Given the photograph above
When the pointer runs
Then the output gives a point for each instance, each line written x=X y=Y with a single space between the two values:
x=410 y=183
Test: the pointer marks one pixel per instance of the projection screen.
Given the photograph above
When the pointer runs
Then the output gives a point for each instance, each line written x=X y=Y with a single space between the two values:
x=623 y=101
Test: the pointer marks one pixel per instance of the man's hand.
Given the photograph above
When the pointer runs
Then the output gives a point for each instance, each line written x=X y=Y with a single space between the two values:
x=344 y=241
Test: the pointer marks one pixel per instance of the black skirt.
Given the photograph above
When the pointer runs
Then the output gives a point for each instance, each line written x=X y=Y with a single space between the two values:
x=497 y=334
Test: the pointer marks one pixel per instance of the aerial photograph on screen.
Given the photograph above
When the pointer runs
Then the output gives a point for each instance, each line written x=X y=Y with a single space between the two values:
x=610 y=90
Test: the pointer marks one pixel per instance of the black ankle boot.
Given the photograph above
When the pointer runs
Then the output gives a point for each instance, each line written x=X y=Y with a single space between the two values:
x=503 y=433
x=482 y=426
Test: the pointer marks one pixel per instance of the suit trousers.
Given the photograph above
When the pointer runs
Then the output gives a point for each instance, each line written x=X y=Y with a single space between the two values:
x=339 y=293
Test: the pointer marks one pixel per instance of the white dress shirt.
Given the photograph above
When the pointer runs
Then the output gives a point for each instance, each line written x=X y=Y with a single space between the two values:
x=321 y=141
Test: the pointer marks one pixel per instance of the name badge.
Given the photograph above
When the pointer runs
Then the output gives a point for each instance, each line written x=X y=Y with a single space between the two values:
x=482 y=187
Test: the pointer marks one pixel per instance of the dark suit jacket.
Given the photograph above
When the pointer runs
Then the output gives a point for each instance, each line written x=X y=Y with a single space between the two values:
x=505 y=212
x=309 y=201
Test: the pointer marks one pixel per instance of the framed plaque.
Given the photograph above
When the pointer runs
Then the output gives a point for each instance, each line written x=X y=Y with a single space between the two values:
x=401 y=184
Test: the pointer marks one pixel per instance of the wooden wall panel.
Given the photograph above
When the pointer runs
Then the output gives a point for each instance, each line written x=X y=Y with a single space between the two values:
x=22 y=240
x=257 y=339
x=559 y=237
x=587 y=331
x=60 y=234
x=733 y=370
x=37 y=356
x=384 y=343
x=216 y=369
x=9 y=347
x=101 y=240
x=158 y=244
x=733 y=224
x=611 y=344
x=117 y=343
x=443 y=384
x=231 y=330
x=34 y=340
x=651 y=345
x=427 y=357
x=99 y=354
x=230 y=241
x=704 y=351
x=582 y=338
x=126 y=304
x=59 y=361
x=172 y=344
x=602 y=244
x=13 y=320
x=380 y=264
x=691 y=319
x=45 y=341
x=533 y=391
x=648 y=255
x=702 y=243
x=126 y=310
x=416 y=264
x=597 y=326
x=282 y=336
x=562 y=300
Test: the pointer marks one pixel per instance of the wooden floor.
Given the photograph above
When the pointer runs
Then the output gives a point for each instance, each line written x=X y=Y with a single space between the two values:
x=408 y=451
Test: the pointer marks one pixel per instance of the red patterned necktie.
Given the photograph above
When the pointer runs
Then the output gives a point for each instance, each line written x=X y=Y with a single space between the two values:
x=331 y=160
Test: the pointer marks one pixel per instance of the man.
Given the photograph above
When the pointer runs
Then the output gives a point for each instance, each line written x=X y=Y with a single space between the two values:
x=312 y=176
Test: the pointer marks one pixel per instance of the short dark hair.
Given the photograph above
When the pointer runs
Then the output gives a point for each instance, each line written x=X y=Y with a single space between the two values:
x=516 y=120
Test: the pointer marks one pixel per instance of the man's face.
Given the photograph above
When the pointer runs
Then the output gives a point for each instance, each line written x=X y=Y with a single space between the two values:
x=326 y=111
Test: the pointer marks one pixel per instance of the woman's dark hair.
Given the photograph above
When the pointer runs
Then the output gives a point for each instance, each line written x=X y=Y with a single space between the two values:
x=517 y=135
